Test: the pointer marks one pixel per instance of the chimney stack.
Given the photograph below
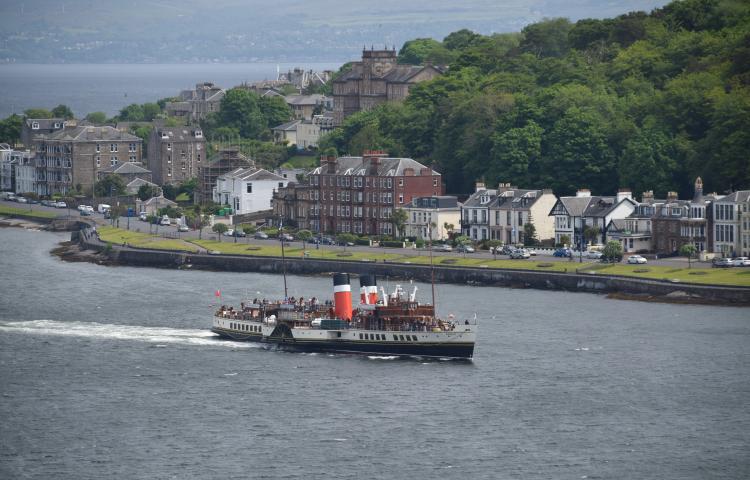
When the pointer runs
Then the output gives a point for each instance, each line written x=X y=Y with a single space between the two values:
x=583 y=192
x=624 y=193
x=647 y=196
x=479 y=187
x=671 y=196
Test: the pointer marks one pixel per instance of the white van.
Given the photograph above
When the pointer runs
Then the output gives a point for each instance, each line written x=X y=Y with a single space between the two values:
x=103 y=207
x=165 y=220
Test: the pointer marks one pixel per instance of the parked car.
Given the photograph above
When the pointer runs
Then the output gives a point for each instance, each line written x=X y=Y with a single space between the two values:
x=465 y=249
x=229 y=233
x=722 y=262
x=47 y=203
x=286 y=237
x=61 y=205
x=595 y=254
x=442 y=247
x=327 y=241
x=85 y=213
x=741 y=262
x=165 y=220
x=239 y=233
x=21 y=200
x=107 y=213
x=519 y=254
x=562 y=252
x=636 y=259
x=103 y=207
x=531 y=251
x=261 y=235
x=143 y=216
x=183 y=228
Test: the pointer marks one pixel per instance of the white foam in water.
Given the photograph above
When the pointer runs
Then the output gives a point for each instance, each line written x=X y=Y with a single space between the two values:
x=384 y=357
x=159 y=335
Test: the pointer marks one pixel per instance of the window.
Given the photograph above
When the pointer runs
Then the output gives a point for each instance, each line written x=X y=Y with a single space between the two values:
x=400 y=182
x=35 y=125
x=98 y=147
x=169 y=146
x=400 y=199
x=132 y=147
x=112 y=147
x=434 y=182
x=132 y=158
x=98 y=161
x=183 y=165
x=281 y=184
x=390 y=183
x=169 y=171
x=249 y=188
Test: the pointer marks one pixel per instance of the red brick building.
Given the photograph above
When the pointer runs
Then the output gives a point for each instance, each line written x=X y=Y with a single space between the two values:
x=359 y=194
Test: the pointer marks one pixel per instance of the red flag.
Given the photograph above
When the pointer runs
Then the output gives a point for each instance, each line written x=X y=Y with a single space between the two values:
x=217 y=293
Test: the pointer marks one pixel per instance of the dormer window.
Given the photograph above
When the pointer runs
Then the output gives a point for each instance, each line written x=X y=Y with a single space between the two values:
x=198 y=134
x=35 y=125
x=57 y=124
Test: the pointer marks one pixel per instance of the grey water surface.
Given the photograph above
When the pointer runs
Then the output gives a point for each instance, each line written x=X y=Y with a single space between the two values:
x=111 y=372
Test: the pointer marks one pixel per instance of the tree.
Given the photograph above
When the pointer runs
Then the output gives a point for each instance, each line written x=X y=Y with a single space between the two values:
x=37 y=113
x=131 y=113
x=240 y=110
x=275 y=110
x=10 y=129
x=424 y=50
x=688 y=250
x=62 y=111
x=449 y=228
x=591 y=233
x=305 y=236
x=97 y=118
x=220 y=228
x=564 y=240
x=110 y=186
x=548 y=38
x=188 y=187
x=398 y=219
x=150 y=111
x=169 y=191
x=147 y=191
x=460 y=39
x=612 y=251
x=529 y=234
x=516 y=153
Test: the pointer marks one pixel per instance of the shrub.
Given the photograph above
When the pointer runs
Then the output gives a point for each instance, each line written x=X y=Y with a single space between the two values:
x=391 y=244
x=363 y=241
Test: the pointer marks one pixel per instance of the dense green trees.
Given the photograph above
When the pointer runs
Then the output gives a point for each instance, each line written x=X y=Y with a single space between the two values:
x=244 y=114
x=644 y=101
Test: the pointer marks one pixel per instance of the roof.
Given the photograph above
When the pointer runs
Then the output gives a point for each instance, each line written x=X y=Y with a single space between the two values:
x=441 y=201
x=591 y=206
x=385 y=167
x=46 y=123
x=90 y=134
x=161 y=201
x=125 y=169
x=740 y=196
x=397 y=74
x=288 y=126
x=179 y=134
x=138 y=182
x=516 y=198
x=255 y=174
x=313 y=99
x=476 y=198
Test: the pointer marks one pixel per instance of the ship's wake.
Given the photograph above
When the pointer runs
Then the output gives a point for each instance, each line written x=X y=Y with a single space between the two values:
x=159 y=336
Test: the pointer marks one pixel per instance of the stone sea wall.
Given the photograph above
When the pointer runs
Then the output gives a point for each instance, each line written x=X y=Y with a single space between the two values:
x=607 y=284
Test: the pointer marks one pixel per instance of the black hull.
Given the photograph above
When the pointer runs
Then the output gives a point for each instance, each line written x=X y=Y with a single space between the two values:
x=433 y=350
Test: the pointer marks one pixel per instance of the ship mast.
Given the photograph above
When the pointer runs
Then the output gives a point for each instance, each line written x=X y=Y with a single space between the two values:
x=283 y=258
x=432 y=271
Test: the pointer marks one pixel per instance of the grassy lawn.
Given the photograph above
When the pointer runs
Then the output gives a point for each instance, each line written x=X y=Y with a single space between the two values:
x=712 y=276
x=119 y=236
x=4 y=210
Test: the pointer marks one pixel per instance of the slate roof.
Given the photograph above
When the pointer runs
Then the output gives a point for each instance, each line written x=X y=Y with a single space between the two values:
x=593 y=206
x=440 y=201
x=740 y=196
x=253 y=174
x=387 y=167
x=46 y=123
x=475 y=200
x=90 y=134
x=288 y=126
x=313 y=99
x=516 y=198
x=178 y=134
x=125 y=169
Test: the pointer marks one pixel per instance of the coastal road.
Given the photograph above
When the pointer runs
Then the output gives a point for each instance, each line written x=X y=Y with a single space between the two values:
x=136 y=224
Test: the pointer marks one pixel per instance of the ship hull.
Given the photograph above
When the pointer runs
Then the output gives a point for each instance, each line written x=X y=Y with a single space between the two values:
x=452 y=350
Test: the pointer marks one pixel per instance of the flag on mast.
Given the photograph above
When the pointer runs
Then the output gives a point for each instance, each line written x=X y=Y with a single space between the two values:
x=217 y=293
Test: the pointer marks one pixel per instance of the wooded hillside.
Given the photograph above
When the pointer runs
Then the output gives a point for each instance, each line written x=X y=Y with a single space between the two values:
x=647 y=101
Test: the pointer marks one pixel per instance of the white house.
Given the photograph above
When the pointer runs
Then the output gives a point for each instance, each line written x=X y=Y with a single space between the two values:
x=574 y=214
x=247 y=190
x=513 y=208
x=427 y=217
x=728 y=223
x=475 y=213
